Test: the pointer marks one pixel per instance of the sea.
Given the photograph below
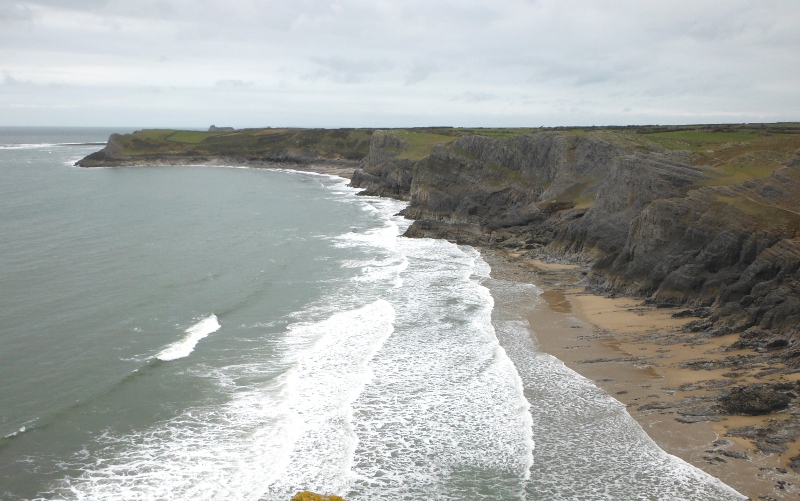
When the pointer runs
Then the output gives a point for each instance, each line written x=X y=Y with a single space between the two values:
x=208 y=333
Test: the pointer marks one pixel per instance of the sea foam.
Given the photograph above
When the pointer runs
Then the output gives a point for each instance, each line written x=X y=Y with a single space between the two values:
x=34 y=146
x=294 y=430
x=183 y=347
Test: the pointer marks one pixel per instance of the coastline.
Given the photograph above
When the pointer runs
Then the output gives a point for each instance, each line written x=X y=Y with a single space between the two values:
x=634 y=352
x=342 y=169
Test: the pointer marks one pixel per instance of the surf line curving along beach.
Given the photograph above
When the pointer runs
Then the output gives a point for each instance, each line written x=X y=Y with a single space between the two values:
x=662 y=264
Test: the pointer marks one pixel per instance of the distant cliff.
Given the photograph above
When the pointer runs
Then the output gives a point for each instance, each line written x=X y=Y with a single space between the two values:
x=346 y=147
x=707 y=218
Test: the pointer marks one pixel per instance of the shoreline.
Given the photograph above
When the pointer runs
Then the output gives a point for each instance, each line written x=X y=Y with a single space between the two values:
x=342 y=169
x=634 y=352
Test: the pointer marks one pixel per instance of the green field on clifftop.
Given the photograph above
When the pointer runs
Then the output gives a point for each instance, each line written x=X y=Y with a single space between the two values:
x=731 y=154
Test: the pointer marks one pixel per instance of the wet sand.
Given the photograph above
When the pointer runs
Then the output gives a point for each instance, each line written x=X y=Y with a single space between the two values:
x=634 y=352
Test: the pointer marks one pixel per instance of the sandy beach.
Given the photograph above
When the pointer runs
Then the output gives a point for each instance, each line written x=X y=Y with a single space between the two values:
x=642 y=356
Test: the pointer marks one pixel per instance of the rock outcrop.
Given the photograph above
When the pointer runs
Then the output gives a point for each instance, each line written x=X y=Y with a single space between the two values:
x=758 y=399
x=654 y=223
x=382 y=173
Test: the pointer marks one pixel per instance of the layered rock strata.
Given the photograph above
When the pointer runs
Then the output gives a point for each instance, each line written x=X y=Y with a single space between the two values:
x=650 y=222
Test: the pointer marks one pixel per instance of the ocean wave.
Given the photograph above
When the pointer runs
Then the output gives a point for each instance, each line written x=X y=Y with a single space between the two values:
x=34 y=146
x=294 y=430
x=183 y=347
x=445 y=416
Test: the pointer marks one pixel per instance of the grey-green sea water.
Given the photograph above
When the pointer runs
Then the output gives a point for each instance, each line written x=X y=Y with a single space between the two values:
x=228 y=333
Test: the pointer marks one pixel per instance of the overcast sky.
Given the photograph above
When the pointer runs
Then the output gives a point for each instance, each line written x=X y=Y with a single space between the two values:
x=376 y=63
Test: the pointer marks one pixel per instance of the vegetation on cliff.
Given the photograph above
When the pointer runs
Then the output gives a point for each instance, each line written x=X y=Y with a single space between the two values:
x=248 y=145
x=705 y=217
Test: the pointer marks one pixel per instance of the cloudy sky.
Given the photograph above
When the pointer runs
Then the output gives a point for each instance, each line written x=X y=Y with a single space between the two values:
x=383 y=63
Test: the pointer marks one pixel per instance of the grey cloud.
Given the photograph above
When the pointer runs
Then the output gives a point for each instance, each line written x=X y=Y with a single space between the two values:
x=420 y=71
x=123 y=8
x=10 y=81
x=233 y=83
x=475 y=97
x=685 y=58
x=344 y=70
x=14 y=12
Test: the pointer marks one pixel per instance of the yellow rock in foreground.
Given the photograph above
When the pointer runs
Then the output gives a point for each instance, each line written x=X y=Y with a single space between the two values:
x=310 y=496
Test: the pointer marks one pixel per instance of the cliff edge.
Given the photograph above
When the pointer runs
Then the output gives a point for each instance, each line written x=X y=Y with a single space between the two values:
x=341 y=147
x=705 y=217
x=702 y=217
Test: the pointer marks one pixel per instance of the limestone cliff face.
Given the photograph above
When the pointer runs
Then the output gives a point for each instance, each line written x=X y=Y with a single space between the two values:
x=111 y=153
x=652 y=223
x=735 y=249
x=382 y=173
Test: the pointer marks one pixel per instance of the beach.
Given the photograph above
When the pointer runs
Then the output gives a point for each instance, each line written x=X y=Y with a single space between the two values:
x=638 y=354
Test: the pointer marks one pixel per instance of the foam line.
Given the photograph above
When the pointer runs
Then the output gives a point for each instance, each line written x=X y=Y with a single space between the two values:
x=185 y=346
x=34 y=146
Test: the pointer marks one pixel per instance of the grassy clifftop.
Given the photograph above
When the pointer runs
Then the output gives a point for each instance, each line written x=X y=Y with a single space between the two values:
x=268 y=144
x=731 y=153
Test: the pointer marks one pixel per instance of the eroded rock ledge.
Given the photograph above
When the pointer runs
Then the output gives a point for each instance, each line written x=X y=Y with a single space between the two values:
x=707 y=219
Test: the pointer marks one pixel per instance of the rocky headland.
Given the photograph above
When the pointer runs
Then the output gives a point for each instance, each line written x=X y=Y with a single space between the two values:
x=714 y=230
x=338 y=151
x=700 y=222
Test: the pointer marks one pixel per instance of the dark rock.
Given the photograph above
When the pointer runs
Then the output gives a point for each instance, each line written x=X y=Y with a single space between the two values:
x=697 y=419
x=730 y=454
x=756 y=400
x=637 y=216
x=794 y=463
x=732 y=362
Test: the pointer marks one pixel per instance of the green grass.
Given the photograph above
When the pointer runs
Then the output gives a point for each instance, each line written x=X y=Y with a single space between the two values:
x=418 y=142
x=416 y=145
x=767 y=215
x=575 y=194
x=497 y=133
x=734 y=173
x=190 y=136
x=695 y=140
x=585 y=201
x=154 y=134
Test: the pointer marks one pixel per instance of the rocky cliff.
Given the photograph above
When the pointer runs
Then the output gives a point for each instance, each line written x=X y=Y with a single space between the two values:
x=382 y=172
x=704 y=218
x=344 y=147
